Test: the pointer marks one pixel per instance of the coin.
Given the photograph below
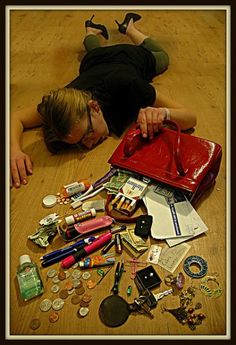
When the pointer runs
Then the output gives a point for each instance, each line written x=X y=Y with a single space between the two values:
x=83 y=311
x=55 y=288
x=86 y=275
x=55 y=279
x=76 y=282
x=61 y=275
x=70 y=292
x=69 y=285
x=63 y=294
x=86 y=297
x=51 y=273
x=76 y=274
x=75 y=265
x=57 y=304
x=84 y=304
x=80 y=290
x=91 y=284
x=45 y=305
x=34 y=324
x=75 y=299
x=53 y=317
x=67 y=273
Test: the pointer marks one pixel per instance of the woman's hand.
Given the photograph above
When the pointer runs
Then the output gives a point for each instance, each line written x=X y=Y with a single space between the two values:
x=21 y=166
x=150 y=120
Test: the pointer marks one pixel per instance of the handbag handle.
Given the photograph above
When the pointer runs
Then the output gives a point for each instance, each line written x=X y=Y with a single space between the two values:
x=133 y=142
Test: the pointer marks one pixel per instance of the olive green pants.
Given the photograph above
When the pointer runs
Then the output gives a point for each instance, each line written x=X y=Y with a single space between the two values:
x=161 y=57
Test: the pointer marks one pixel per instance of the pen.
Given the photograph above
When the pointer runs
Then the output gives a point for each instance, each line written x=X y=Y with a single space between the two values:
x=59 y=257
x=60 y=251
x=98 y=243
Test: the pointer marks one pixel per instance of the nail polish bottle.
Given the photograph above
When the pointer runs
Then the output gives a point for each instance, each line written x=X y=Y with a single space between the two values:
x=29 y=279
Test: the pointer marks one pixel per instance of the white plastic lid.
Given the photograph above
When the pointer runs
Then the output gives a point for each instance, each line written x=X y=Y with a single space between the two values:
x=24 y=258
x=49 y=200
x=70 y=220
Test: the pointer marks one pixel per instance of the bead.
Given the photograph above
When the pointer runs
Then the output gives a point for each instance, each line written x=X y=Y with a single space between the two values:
x=201 y=316
x=190 y=310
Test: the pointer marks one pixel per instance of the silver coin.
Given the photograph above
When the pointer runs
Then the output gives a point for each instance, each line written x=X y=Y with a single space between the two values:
x=58 y=304
x=76 y=282
x=70 y=292
x=55 y=279
x=86 y=275
x=75 y=265
x=67 y=274
x=55 y=288
x=45 y=305
x=51 y=273
x=83 y=311
x=76 y=274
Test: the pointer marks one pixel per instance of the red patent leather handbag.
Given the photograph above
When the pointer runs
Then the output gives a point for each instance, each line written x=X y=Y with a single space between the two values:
x=181 y=160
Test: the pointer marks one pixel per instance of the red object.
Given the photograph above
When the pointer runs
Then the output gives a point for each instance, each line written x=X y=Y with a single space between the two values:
x=183 y=161
x=98 y=243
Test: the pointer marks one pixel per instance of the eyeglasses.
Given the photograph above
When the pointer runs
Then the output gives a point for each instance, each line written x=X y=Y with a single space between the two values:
x=89 y=130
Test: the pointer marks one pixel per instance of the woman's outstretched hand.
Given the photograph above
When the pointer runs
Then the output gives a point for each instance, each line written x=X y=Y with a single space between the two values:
x=21 y=166
x=150 y=120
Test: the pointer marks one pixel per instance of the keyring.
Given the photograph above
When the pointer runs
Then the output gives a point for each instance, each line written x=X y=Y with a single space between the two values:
x=199 y=262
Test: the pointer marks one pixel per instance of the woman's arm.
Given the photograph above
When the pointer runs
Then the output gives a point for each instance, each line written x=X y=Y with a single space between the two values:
x=21 y=164
x=150 y=119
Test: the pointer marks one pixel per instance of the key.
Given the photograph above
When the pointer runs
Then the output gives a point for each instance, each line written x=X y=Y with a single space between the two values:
x=142 y=307
x=160 y=295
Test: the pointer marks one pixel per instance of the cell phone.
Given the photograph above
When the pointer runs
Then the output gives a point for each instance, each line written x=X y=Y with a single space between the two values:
x=143 y=226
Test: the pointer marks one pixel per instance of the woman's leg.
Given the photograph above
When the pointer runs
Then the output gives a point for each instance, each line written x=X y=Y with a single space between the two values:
x=91 y=40
x=138 y=38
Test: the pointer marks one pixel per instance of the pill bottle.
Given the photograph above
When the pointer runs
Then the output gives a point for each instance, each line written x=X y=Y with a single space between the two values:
x=74 y=188
x=80 y=217
x=29 y=279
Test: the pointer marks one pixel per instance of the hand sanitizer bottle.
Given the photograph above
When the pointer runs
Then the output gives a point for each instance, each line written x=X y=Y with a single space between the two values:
x=29 y=280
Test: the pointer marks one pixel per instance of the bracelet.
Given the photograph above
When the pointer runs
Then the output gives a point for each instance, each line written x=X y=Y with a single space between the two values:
x=167 y=113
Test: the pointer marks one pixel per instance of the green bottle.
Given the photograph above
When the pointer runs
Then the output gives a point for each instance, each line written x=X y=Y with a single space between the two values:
x=29 y=279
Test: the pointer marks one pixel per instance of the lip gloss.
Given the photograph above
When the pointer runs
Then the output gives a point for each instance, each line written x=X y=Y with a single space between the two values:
x=98 y=243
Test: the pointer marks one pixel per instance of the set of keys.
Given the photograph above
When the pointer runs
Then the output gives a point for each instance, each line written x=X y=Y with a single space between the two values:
x=142 y=302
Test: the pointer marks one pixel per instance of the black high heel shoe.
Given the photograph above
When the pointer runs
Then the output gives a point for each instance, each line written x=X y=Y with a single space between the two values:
x=123 y=26
x=90 y=24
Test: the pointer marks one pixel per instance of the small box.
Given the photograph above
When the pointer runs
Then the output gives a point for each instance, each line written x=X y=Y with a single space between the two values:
x=148 y=277
x=126 y=200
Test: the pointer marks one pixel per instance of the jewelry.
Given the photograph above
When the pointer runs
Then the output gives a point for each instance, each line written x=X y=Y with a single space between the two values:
x=178 y=281
x=187 y=315
x=199 y=262
x=213 y=293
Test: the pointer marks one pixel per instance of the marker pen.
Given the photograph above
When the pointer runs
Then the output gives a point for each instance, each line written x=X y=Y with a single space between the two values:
x=98 y=243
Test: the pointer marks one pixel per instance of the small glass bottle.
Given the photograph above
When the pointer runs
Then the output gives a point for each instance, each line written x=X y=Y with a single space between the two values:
x=29 y=279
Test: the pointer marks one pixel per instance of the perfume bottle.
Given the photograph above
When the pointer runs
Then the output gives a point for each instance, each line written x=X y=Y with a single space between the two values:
x=29 y=279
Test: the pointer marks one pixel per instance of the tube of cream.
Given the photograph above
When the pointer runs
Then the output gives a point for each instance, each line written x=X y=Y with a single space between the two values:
x=97 y=261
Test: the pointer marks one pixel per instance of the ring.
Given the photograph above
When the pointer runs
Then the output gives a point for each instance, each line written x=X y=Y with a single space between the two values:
x=198 y=261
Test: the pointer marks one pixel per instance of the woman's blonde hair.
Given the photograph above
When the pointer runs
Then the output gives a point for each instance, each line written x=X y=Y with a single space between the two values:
x=60 y=110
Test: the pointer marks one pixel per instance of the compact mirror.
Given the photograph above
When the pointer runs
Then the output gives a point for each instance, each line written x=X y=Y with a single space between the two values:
x=114 y=311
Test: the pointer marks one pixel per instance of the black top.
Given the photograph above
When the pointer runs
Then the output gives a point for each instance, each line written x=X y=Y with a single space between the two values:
x=118 y=77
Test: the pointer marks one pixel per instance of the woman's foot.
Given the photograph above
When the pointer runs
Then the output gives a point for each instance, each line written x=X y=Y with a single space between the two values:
x=95 y=29
x=127 y=23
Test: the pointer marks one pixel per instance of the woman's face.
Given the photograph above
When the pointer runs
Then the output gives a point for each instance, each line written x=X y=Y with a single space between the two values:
x=90 y=131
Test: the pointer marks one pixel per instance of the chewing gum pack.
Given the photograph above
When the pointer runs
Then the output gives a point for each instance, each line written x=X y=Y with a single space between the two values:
x=126 y=200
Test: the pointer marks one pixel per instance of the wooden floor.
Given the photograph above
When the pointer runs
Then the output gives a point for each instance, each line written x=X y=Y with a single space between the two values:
x=45 y=51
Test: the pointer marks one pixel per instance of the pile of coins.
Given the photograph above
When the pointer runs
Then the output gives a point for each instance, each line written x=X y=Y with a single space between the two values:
x=65 y=287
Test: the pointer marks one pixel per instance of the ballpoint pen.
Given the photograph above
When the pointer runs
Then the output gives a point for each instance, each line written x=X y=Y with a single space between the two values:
x=98 y=243
x=63 y=250
x=60 y=257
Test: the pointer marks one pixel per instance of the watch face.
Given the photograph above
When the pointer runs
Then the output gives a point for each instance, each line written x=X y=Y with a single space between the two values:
x=114 y=311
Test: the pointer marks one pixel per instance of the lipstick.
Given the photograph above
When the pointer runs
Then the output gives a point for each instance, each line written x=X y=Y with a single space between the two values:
x=98 y=243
